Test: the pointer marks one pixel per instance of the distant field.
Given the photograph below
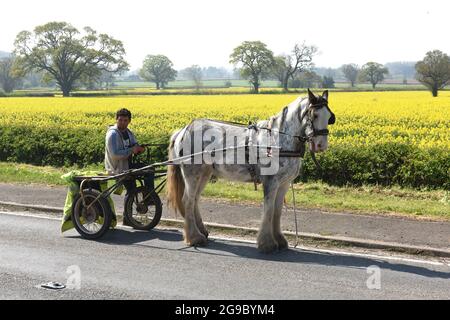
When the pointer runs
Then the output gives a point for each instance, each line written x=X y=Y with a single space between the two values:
x=187 y=83
x=381 y=86
x=210 y=87
x=264 y=84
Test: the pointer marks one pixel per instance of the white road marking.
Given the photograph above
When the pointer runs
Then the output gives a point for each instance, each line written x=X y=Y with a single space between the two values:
x=436 y=263
x=27 y=214
x=364 y=255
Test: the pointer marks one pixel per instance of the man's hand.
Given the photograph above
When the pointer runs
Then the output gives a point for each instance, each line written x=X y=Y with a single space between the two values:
x=138 y=149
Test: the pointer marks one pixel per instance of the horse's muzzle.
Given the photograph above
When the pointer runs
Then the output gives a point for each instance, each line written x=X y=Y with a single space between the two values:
x=317 y=147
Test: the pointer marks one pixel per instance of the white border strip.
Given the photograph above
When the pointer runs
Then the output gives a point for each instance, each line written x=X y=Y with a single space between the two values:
x=355 y=254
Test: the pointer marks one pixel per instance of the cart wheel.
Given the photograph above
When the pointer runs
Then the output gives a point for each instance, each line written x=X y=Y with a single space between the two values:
x=143 y=208
x=93 y=221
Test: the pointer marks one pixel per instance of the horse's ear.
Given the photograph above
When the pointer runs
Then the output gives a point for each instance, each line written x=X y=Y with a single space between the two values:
x=312 y=98
x=325 y=95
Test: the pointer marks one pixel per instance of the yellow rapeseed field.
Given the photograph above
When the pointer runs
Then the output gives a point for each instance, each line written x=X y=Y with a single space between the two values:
x=363 y=118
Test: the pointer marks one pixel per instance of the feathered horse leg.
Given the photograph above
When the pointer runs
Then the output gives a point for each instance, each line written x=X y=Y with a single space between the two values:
x=266 y=240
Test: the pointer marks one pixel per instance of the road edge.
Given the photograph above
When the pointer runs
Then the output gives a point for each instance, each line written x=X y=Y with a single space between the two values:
x=311 y=237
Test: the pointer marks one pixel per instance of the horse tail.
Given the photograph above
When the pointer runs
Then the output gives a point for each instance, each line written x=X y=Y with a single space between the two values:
x=175 y=181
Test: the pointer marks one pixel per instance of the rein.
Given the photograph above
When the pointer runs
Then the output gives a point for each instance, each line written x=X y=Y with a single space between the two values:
x=303 y=138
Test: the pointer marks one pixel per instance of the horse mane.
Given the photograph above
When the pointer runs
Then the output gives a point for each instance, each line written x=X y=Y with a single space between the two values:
x=281 y=115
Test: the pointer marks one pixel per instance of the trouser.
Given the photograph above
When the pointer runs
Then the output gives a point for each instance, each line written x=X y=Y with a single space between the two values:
x=149 y=182
x=149 y=179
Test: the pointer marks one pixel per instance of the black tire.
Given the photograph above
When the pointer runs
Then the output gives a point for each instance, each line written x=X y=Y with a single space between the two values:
x=150 y=209
x=99 y=213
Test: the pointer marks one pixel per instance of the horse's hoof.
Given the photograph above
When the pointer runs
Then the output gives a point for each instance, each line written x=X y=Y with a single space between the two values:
x=205 y=233
x=267 y=247
x=199 y=240
x=282 y=243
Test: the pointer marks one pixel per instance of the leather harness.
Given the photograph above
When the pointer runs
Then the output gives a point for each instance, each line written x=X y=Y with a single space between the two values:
x=300 y=153
x=303 y=138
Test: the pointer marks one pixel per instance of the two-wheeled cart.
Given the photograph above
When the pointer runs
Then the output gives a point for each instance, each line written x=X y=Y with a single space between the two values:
x=92 y=212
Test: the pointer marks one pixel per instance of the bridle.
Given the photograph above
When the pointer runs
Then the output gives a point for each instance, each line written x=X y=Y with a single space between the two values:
x=310 y=121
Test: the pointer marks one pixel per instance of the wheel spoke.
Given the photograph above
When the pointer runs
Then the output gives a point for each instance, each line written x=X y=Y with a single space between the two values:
x=88 y=227
x=142 y=207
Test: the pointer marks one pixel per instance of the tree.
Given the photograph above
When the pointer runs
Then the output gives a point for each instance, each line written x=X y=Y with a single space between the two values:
x=255 y=61
x=350 y=72
x=215 y=73
x=9 y=79
x=434 y=71
x=88 y=79
x=328 y=82
x=306 y=79
x=133 y=76
x=58 y=49
x=373 y=72
x=34 y=80
x=158 y=69
x=194 y=73
x=97 y=80
x=278 y=68
x=286 y=66
x=107 y=79
x=402 y=69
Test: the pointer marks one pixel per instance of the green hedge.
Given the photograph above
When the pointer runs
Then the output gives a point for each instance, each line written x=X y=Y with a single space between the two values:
x=385 y=164
x=26 y=94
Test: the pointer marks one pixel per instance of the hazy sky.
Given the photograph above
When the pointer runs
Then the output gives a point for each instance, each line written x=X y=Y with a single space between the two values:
x=205 y=32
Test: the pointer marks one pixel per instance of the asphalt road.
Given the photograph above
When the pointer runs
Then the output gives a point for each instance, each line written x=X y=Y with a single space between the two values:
x=128 y=264
x=434 y=234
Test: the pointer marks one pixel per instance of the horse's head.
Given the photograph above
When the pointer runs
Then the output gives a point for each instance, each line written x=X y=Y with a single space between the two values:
x=315 y=118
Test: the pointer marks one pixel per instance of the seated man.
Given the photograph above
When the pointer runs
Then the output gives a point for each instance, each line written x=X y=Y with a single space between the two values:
x=120 y=145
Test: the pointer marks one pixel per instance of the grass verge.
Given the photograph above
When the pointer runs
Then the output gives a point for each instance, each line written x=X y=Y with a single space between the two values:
x=422 y=204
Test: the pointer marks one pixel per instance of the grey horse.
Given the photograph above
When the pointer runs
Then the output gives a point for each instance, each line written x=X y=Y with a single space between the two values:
x=303 y=121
